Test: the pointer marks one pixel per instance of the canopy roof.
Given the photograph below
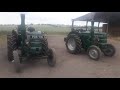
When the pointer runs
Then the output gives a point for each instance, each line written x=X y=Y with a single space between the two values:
x=100 y=17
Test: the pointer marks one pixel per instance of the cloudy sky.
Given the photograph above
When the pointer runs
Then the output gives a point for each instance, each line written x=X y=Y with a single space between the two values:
x=40 y=17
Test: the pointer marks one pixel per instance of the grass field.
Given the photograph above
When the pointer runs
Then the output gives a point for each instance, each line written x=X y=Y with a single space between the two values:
x=49 y=29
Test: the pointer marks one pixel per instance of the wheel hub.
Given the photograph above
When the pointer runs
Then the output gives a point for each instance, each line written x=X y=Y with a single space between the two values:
x=71 y=44
x=93 y=53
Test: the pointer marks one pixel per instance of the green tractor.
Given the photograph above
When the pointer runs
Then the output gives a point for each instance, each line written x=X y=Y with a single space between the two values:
x=91 y=41
x=26 y=43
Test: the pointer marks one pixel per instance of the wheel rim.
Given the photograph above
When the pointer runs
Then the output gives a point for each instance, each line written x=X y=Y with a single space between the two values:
x=71 y=44
x=93 y=53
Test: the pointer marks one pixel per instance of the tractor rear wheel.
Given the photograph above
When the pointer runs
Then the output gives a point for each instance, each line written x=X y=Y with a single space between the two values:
x=109 y=50
x=94 y=52
x=9 y=48
x=51 y=58
x=73 y=44
x=11 y=44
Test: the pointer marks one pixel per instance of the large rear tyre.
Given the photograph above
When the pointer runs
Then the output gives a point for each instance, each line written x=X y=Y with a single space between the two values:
x=109 y=50
x=94 y=52
x=9 y=48
x=73 y=44
x=11 y=44
x=51 y=58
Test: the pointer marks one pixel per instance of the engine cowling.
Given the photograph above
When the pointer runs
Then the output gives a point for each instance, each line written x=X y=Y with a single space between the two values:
x=37 y=42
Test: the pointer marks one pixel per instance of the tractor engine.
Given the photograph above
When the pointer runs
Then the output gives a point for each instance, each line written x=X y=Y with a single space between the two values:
x=36 y=42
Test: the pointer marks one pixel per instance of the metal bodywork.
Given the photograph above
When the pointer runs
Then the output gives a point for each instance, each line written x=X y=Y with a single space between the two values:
x=29 y=42
x=90 y=37
x=88 y=40
x=26 y=44
x=92 y=41
x=36 y=46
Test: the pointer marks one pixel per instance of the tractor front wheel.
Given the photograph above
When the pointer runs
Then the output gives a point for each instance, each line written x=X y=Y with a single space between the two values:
x=16 y=61
x=51 y=58
x=94 y=52
x=109 y=50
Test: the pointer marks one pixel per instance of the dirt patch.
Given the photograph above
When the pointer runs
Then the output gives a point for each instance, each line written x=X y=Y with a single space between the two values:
x=68 y=65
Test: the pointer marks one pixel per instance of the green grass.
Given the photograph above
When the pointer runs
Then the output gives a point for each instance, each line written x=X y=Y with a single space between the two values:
x=2 y=40
x=52 y=29
x=6 y=29
x=49 y=29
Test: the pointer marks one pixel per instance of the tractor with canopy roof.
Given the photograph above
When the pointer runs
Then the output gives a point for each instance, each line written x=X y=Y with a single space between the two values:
x=94 y=42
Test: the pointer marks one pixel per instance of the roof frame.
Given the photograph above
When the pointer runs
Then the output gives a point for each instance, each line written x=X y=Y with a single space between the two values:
x=100 y=17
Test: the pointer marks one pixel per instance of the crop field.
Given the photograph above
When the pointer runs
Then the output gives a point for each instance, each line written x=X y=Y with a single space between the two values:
x=49 y=29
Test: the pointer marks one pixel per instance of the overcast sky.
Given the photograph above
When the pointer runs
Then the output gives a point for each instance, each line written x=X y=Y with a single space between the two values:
x=40 y=17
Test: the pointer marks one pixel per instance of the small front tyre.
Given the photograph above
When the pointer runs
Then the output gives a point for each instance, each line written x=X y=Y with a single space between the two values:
x=16 y=61
x=109 y=50
x=51 y=58
x=94 y=52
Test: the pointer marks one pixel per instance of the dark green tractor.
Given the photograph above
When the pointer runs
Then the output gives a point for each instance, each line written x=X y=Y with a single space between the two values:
x=92 y=41
x=26 y=44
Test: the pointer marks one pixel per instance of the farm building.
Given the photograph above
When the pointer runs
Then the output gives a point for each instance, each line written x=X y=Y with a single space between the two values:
x=111 y=18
